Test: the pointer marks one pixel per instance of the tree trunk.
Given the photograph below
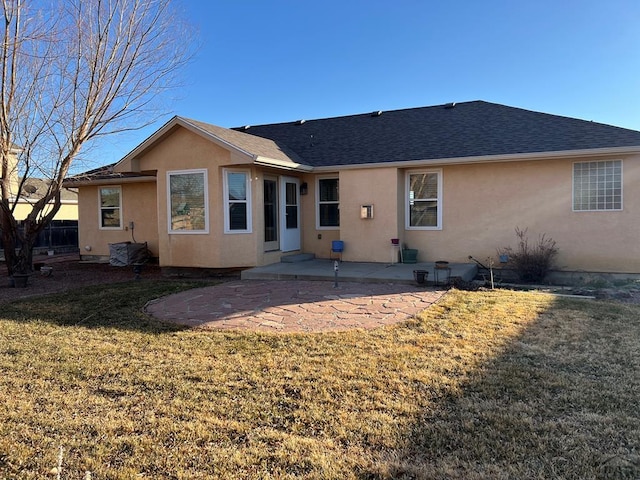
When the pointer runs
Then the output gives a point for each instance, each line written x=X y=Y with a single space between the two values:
x=18 y=260
x=7 y=227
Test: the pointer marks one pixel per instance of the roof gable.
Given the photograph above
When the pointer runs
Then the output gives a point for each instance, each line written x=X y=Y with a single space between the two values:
x=253 y=148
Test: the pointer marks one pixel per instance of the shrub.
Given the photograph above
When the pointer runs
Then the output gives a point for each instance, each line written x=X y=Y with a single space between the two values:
x=531 y=262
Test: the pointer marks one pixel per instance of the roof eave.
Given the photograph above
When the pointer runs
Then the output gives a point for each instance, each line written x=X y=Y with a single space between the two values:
x=282 y=164
x=70 y=183
x=512 y=157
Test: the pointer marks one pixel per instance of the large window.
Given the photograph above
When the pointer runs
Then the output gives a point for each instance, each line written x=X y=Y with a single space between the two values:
x=424 y=200
x=597 y=185
x=187 y=201
x=328 y=203
x=237 y=211
x=110 y=207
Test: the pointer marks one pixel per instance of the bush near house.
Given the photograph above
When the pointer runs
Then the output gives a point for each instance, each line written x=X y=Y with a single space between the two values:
x=531 y=262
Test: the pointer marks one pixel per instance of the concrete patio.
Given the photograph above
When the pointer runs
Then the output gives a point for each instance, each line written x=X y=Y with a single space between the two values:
x=323 y=269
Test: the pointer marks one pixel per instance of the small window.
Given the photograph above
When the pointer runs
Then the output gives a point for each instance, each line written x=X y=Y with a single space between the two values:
x=328 y=203
x=424 y=200
x=597 y=185
x=188 y=201
x=110 y=206
x=237 y=211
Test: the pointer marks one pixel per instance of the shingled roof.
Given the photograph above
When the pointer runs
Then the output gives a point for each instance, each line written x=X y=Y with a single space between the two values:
x=469 y=129
x=256 y=145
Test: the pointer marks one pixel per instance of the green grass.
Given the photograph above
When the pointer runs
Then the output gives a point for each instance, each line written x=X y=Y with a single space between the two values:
x=482 y=385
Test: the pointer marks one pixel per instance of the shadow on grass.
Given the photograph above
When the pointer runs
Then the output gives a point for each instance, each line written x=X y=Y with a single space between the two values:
x=117 y=305
x=561 y=401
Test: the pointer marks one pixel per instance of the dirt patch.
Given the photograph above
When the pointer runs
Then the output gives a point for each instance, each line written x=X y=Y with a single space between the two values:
x=68 y=273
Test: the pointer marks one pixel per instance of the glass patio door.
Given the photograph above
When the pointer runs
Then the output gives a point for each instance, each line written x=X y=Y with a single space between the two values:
x=271 y=209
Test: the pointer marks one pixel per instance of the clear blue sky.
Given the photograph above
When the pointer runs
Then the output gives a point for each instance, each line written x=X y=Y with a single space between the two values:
x=267 y=61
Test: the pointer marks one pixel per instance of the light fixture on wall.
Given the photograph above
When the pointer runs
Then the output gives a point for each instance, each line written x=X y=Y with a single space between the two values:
x=304 y=188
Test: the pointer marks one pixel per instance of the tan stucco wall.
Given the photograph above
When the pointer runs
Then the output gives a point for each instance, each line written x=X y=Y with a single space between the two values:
x=482 y=206
x=138 y=206
x=484 y=203
x=314 y=240
x=183 y=150
x=368 y=240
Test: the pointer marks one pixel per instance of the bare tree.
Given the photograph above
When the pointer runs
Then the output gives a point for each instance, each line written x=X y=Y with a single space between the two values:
x=71 y=72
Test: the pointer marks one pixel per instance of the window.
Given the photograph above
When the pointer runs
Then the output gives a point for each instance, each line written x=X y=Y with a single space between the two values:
x=237 y=208
x=328 y=203
x=188 y=201
x=110 y=208
x=597 y=185
x=424 y=200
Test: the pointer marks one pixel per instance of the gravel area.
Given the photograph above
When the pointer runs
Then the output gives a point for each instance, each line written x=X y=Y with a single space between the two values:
x=68 y=273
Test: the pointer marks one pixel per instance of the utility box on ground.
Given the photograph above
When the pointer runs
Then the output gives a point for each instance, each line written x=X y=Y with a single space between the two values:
x=126 y=253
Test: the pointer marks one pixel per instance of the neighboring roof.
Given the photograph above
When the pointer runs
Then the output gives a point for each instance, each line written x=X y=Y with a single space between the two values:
x=36 y=188
x=469 y=129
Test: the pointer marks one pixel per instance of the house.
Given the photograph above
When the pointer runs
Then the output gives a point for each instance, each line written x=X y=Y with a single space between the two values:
x=62 y=231
x=450 y=180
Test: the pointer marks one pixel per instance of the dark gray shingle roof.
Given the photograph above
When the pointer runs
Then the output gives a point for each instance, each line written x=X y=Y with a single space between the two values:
x=469 y=129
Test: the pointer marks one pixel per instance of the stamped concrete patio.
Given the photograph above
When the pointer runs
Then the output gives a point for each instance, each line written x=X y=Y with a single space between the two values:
x=307 y=296
x=294 y=305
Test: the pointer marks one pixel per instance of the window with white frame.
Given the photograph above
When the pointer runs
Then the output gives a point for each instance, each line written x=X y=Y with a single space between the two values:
x=237 y=201
x=597 y=185
x=187 y=201
x=424 y=200
x=328 y=203
x=110 y=207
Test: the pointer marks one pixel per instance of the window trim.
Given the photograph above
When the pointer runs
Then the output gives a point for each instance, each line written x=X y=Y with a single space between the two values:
x=328 y=227
x=573 y=187
x=205 y=173
x=227 y=202
x=100 y=207
x=407 y=200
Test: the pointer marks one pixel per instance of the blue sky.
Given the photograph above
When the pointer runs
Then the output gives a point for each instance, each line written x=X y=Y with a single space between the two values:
x=267 y=61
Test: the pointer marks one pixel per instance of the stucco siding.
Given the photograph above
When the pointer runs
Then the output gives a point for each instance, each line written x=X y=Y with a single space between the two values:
x=484 y=203
x=314 y=240
x=138 y=206
x=368 y=240
x=184 y=150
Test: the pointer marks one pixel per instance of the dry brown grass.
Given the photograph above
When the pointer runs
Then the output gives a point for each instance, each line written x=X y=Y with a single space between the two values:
x=483 y=385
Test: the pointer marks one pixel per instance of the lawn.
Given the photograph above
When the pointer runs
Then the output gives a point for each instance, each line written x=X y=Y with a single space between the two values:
x=484 y=385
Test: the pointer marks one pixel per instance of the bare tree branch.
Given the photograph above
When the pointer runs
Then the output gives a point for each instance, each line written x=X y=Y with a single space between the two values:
x=73 y=71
